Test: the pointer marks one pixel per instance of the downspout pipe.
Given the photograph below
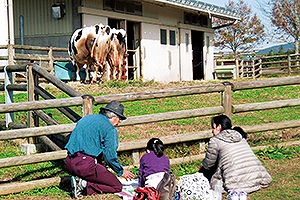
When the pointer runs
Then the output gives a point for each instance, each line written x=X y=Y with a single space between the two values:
x=11 y=22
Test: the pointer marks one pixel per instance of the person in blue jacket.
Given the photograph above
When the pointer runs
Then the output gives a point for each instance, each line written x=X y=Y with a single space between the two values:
x=95 y=135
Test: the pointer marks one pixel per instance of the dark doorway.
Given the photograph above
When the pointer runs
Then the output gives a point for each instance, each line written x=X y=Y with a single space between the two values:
x=197 y=46
x=133 y=42
x=114 y=23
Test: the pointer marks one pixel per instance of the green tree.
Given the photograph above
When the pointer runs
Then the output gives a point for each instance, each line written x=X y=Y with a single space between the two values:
x=242 y=35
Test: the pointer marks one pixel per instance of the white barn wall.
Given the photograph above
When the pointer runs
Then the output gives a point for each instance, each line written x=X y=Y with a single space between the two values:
x=169 y=58
x=167 y=61
x=150 y=45
x=161 y=62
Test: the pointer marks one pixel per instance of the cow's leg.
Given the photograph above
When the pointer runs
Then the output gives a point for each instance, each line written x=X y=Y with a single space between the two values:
x=109 y=70
x=87 y=74
x=78 y=68
x=104 y=72
x=77 y=73
x=123 y=72
x=113 y=72
x=120 y=71
x=94 y=80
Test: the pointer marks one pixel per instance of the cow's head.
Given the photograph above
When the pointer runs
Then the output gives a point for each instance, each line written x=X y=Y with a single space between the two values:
x=117 y=54
x=101 y=45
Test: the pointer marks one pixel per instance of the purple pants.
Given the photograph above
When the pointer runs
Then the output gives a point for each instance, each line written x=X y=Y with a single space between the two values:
x=99 y=179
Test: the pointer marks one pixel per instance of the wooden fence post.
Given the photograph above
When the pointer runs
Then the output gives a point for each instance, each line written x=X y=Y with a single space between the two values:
x=242 y=69
x=253 y=68
x=36 y=97
x=30 y=97
x=51 y=62
x=9 y=79
x=289 y=64
x=237 y=67
x=136 y=157
x=11 y=54
x=260 y=66
x=87 y=106
x=226 y=99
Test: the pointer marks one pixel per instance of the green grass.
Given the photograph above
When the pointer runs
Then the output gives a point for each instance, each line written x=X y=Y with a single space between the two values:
x=274 y=158
x=278 y=153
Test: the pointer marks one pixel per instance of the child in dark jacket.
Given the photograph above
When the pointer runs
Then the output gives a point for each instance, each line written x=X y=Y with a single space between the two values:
x=153 y=164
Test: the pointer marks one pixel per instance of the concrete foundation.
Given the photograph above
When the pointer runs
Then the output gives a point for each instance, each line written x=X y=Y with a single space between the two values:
x=28 y=148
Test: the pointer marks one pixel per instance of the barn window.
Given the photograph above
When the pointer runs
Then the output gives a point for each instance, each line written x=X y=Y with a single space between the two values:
x=163 y=36
x=203 y=20
x=138 y=8
x=196 y=19
x=187 y=42
x=109 y=5
x=130 y=7
x=120 y=6
x=207 y=44
x=123 y=6
x=172 y=38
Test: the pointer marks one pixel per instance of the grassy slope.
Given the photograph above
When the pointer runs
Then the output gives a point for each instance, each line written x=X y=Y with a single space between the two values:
x=49 y=169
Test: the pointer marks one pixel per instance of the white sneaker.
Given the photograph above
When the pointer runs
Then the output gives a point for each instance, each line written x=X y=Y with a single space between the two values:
x=242 y=195
x=233 y=195
x=77 y=188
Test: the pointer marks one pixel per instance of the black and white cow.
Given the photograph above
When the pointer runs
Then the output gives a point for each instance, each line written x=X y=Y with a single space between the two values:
x=89 y=46
x=93 y=46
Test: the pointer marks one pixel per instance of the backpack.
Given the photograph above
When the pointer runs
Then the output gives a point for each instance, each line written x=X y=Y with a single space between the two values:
x=194 y=186
x=167 y=186
x=146 y=193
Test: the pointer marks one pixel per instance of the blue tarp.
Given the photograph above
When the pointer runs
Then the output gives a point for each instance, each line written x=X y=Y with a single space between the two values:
x=63 y=71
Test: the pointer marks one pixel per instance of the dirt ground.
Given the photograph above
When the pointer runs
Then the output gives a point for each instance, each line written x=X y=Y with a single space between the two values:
x=144 y=130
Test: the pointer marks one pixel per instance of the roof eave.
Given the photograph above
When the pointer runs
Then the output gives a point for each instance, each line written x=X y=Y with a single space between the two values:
x=209 y=12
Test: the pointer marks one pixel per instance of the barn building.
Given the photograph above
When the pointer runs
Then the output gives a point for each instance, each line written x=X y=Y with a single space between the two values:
x=167 y=40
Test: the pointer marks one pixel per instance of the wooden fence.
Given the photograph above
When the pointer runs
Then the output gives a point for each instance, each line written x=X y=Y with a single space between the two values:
x=61 y=131
x=253 y=67
x=49 y=57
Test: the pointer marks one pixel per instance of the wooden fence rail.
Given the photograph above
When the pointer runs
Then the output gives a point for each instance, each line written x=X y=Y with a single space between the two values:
x=48 y=58
x=140 y=144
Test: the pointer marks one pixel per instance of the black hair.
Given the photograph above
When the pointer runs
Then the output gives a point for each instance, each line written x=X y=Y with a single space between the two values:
x=241 y=131
x=222 y=120
x=156 y=145
x=225 y=123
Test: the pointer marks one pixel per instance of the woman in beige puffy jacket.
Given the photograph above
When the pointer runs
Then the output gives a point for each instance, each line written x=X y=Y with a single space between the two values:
x=236 y=165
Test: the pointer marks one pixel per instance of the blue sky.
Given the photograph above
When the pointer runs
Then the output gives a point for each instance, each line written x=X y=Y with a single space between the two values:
x=254 y=4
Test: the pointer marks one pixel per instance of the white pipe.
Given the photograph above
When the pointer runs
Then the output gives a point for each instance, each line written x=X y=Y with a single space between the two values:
x=11 y=22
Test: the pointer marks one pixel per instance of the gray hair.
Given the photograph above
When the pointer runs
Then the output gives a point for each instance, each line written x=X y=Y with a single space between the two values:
x=108 y=113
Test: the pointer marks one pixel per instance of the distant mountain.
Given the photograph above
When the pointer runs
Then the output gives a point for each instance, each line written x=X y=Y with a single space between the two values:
x=276 y=48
